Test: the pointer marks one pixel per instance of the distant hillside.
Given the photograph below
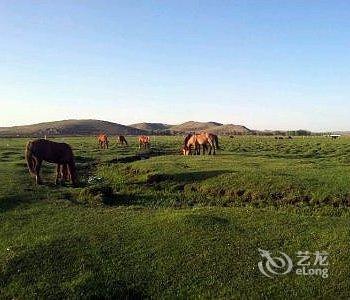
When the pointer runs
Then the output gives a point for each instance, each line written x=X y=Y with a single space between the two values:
x=70 y=127
x=94 y=127
x=151 y=126
x=194 y=126
x=212 y=127
x=229 y=129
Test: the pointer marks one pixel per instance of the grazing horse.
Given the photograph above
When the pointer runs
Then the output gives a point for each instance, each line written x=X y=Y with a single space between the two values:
x=122 y=140
x=103 y=141
x=61 y=154
x=144 y=141
x=197 y=140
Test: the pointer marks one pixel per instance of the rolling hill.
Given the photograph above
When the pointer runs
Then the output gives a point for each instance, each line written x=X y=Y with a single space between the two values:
x=151 y=126
x=194 y=126
x=229 y=129
x=213 y=127
x=94 y=127
x=70 y=127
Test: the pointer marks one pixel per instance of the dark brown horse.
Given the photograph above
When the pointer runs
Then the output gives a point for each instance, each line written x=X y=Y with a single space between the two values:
x=103 y=141
x=144 y=141
x=122 y=140
x=61 y=154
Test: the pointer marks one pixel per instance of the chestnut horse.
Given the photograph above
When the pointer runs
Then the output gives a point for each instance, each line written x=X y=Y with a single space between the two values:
x=144 y=141
x=197 y=140
x=122 y=140
x=61 y=154
x=103 y=141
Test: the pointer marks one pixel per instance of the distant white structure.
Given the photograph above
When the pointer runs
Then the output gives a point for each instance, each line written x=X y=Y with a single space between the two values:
x=334 y=136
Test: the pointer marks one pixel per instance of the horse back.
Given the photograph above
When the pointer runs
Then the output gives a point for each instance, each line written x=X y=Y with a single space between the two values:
x=51 y=151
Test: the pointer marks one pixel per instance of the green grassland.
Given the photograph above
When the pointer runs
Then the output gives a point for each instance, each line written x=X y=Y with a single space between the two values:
x=150 y=224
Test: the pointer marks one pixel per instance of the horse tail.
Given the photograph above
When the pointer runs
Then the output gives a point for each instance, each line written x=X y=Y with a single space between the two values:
x=29 y=158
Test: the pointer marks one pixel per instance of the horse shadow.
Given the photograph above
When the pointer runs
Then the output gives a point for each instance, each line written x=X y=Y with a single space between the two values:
x=142 y=155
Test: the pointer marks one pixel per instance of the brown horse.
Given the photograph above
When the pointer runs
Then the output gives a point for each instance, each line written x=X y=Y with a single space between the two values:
x=144 y=141
x=196 y=140
x=61 y=154
x=122 y=140
x=103 y=141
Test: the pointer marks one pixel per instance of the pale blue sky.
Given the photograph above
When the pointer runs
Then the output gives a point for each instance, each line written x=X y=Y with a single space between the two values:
x=263 y=64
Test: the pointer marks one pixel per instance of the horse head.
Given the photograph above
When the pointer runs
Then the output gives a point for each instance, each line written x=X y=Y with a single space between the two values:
x=186 y=150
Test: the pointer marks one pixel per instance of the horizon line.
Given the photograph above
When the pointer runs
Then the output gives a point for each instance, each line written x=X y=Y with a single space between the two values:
x=166 y=123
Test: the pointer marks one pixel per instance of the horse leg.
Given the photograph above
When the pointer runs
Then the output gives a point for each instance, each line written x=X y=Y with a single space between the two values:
x=58 y=173
x=67 y=175
x=37 y=171
x=72 y=172
x=213 y=146
x=194 y=150
x=209 y=151
x=199 y=146
x=208 y=148
x=64 y=173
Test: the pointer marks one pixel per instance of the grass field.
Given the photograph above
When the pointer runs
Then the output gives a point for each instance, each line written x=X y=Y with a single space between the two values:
x=158 y=224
